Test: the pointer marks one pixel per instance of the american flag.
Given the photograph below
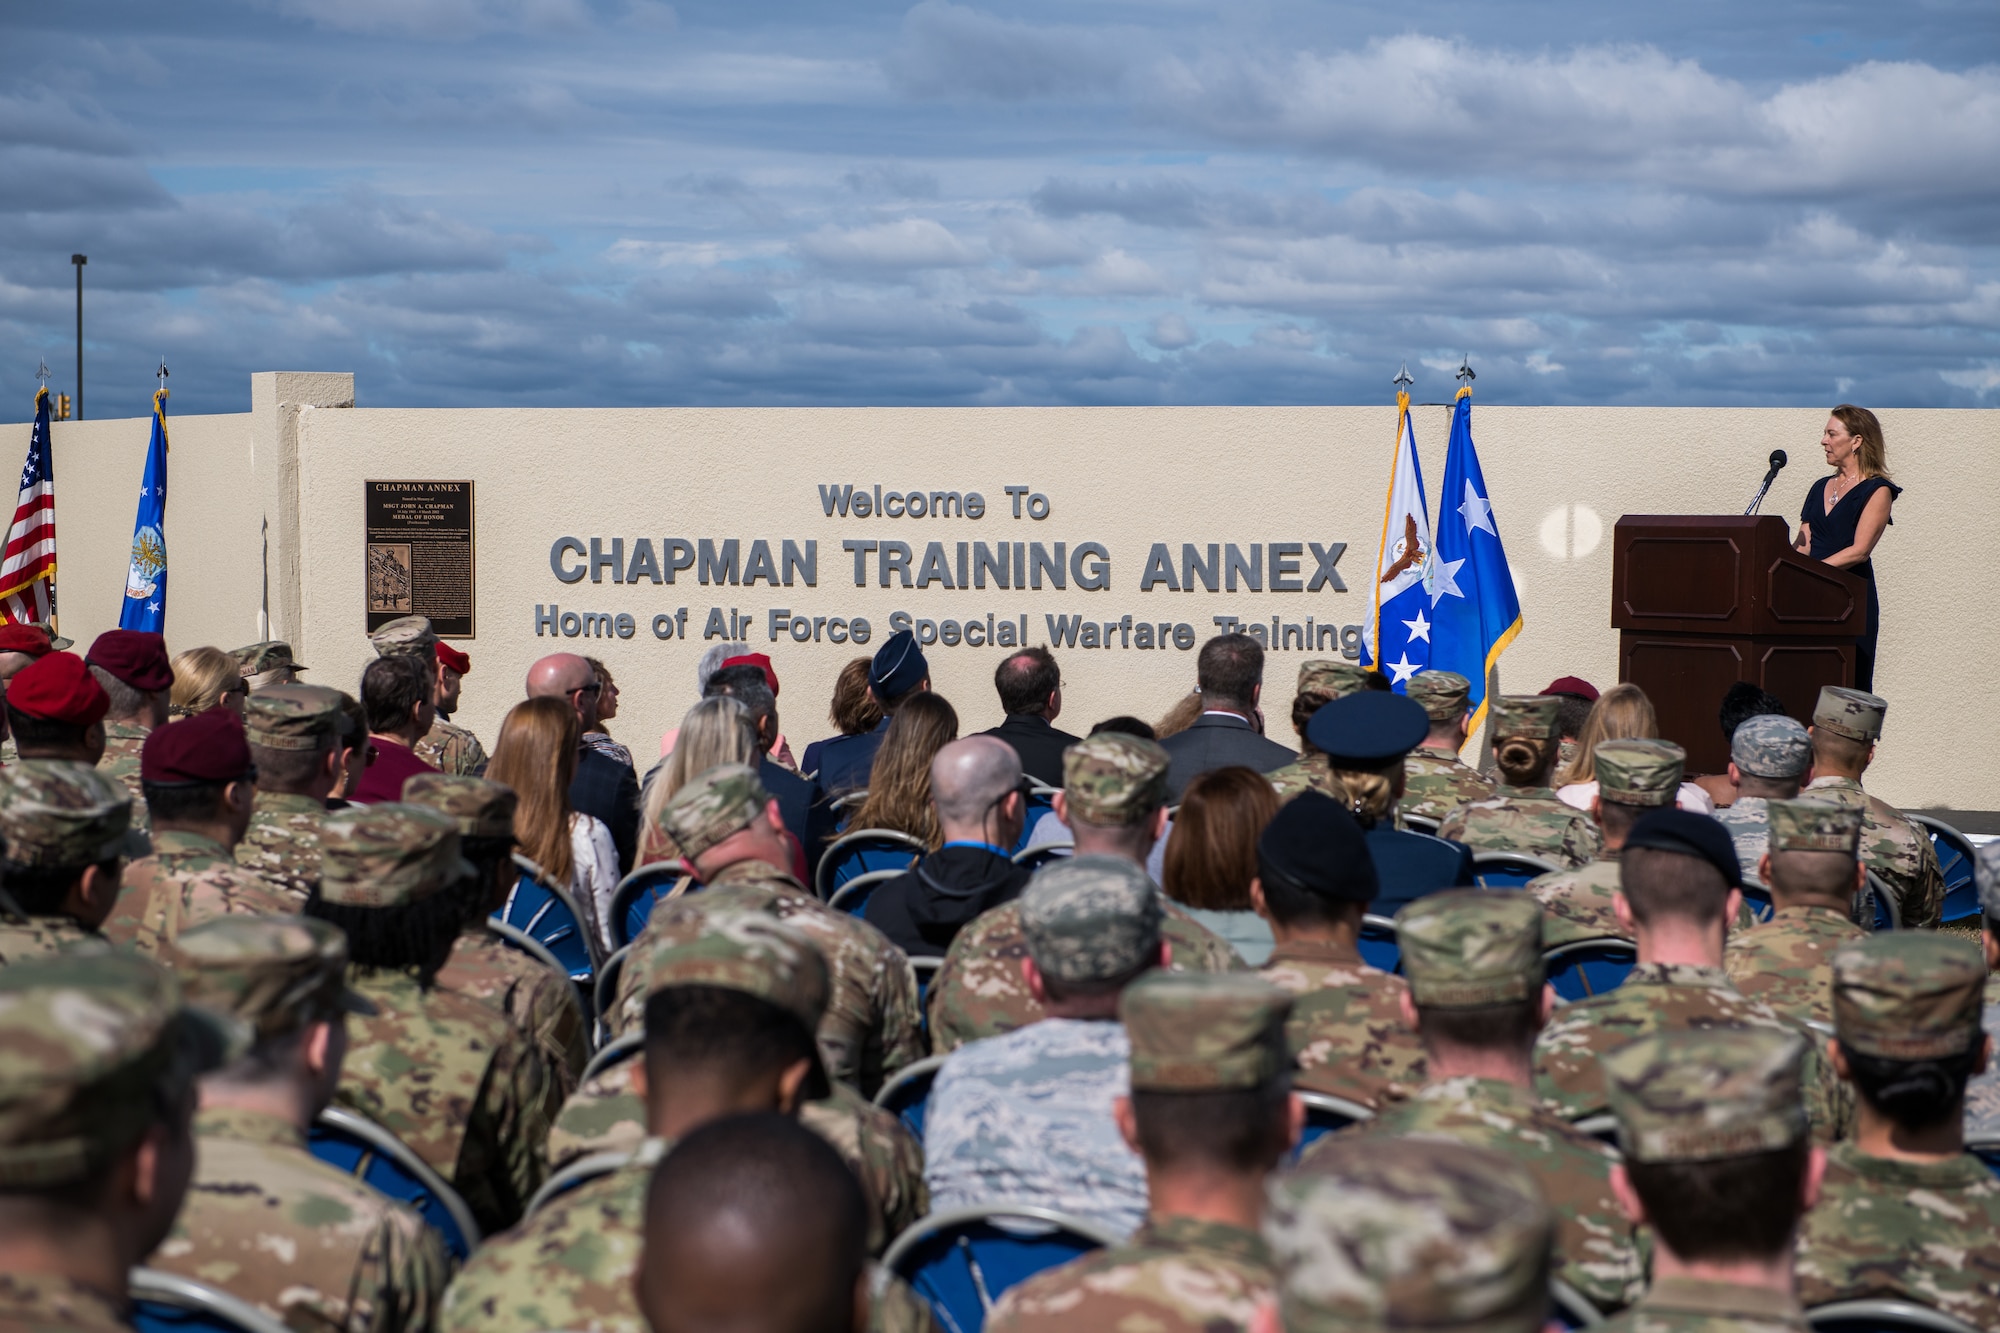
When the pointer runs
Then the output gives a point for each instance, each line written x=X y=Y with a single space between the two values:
x=28 y=570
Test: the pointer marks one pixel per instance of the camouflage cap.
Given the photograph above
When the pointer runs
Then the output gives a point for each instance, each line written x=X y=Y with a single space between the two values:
x=1333 y=679
x=84 y=1041
x=60 y=814
x=712 y=805
x=1809 y=826
x=1114 y=780
x=1443 y=694
x=1771 y=746
x=1467 y=947
x=1855 y=714
x=1205 y=1031
x=1531 y=715
x=1986 y=875
x=1700 y=1094
x=388 y=855
x=257 y=661
x=482 y=809
x=293 y=717
x=749 y=951
x=406 y=636
x=1384 y=1233
x=1639 y=772
x=1091 y=918
x=274 y=973
x=1909 y=994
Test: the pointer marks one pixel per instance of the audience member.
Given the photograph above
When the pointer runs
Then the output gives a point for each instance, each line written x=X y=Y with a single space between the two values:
x=1436 y=779
x=1574 y=697
x=20 y=645
x=298 y=735
x=1768 y=759
x=1320 y=683
x=718 y=730
x=1982 y=1095
x=1633 y=777
x=1815 y=878
x=131 y=667
x=454 y=665
x=1230 y=675
x=976 y=791
x=781 y=750
x=536 y=755
x=1846 y=726
x=1314 y=883
x=1030 y=687
x=602 y=788
x=1211 y=1113
x=1719 y=1169
x=1623 y=713
x=443 y=745
x=897 y=673
x=1211 y=856
x=55 y=710
x=807 y=817
x=597 y=736
x=395 y=696
x=1027 y=1117
x=265 y=1220
x=205 y=678
x=1740 y=702
x=1178 y=718
x=357 y=752
x=65 y=833
x=1523 y=814
x=853 y=712
x=1365 y=738
x=1051 y=834
x=899 y=784
x=265 y=664
x=1904 y=1212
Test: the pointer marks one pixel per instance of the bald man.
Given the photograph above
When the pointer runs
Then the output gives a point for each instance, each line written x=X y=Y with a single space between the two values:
x=603 y=786
x=977 y=788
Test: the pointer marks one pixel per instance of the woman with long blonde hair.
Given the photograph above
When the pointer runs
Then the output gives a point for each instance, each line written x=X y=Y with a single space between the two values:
x=1847 y=512
x=203 y=679
x=718 y=730
x=536 y=756
x=899 y=785
x=1621 y=713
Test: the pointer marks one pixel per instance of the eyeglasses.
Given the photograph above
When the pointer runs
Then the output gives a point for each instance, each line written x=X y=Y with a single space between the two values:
x=592 y=688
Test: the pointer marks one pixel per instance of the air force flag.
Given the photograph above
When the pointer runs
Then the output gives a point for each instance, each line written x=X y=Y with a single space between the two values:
x=1482 y=615
x=1399 y=640
x=145 y=604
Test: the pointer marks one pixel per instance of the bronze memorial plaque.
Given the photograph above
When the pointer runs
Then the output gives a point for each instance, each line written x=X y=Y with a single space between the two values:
x=420 y=554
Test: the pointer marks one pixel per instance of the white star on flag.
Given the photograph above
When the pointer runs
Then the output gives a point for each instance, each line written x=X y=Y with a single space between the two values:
x=1402 y=670
x=1478 y=513
x=1419 y=628
x=1443 y=582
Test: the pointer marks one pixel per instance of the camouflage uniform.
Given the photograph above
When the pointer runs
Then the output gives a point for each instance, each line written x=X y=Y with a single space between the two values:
x=1436 y=781
x=1026 y=1117
x=1325 y=680
x=1525 y=819
x=1892 y=845
x=122 y=743
x=1775 y=749
x=189 y=878
x=83 y=1044
x=444 y=1073
x=1702 y=1097
x=265 y=1220
x=1787 y=962
x=1641 y=774
x=446 y=747
x=1982 y=1096
x=1885 y=1228
x=1188 y=1034
x=1346 y=1029
x=1408 y=1234
x=1312 y=772
x=282 y=842
x=56 y=813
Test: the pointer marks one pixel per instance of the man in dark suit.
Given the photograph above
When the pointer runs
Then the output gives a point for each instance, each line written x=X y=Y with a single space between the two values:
x=1230 y=676
x=1030 y=686
x=798 y=798
x=603 y=786
x=898 y=671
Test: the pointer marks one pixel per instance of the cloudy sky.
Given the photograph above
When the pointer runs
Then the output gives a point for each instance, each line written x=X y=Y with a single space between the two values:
x=580 y=202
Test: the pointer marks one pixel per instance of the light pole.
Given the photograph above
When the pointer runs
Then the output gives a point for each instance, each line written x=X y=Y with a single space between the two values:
x=79 y=261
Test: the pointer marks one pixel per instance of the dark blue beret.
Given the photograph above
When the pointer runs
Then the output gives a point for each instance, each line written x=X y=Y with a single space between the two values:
x=1670 y=829
x=1316 y=845
x=899 y=666
x=1368 y=729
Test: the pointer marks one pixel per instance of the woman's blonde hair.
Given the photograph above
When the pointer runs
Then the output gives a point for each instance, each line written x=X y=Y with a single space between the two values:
x=1212 y=852
x=718 y=730
x=1370 y=792
x=536 y=756
x=1621 y=713
x=899 y=785
x=1873 y=453
x=1178 y=718
x=201 y=677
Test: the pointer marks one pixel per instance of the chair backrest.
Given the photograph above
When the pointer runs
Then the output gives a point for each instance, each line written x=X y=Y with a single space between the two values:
x=633 y=903
x=1758 y=895
x=1034 y=858
x=170 y=1303
x=606 y=996
x=861 y=851
x=1603 y=1127
x=908 y=1092
x=1571 y=1308
x=852 y=897
x=925 y=968
x=1327 y=1114
x=1881 y=1316
x=355 y=1144
x=539 y=909
x=1508 y=870
x=1379 y=947
x=1040 y=801
x=1987 y=1151
x=961 y=1261
x=1956 y=858
x=517 y=938
x=580 y=1172
x=612 y=1053
x=1583 y=968
x=1421 y=824
x=1887 y=904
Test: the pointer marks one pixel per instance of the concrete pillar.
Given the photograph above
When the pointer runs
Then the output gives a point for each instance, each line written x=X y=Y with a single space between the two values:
x=276 y=399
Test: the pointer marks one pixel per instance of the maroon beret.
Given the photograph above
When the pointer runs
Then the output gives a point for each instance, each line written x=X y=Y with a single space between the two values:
x=453 y=658
x=31 y=639
x=1574 y=685
x=208 y=747
x=58 y=687
x=135 y=656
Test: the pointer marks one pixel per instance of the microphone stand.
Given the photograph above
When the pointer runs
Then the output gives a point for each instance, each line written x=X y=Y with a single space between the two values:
x=1758 y=499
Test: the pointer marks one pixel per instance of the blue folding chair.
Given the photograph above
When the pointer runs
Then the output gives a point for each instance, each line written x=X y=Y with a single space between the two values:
x=925 y=968
x=1584 y=968
x=1508 y=870
x=632 y=903
x=1327 y=1114
x=1603 y=1127
x=962 y=1261
x=907 y=1093
x=1379 y=947
x=1956 y=857
x=1882 y=1316
x=1421 y=824
x=170 y=1303
x=862 y=851
x=546 y=913
x=1034 y=858
x=1987 y=1151
x=1880 y=904
x=852 y=897
x=1570 y=1307
x=605 y=997
x=1041 y=800
x=1757 y=894
x=580 y=1172
x=363 y=1149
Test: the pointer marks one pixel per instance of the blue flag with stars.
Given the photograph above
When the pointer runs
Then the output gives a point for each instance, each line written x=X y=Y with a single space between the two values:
x=145 y=605
x=1474 y=627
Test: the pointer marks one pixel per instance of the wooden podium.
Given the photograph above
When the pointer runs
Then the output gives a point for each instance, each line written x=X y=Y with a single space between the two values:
x=1701 y=602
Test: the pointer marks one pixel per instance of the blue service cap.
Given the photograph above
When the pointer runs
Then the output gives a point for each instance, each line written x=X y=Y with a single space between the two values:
x=899 y=666
x=1671 y=829
x=1368 y=729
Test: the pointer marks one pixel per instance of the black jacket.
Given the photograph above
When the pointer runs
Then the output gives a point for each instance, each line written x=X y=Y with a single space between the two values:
x=1040 y=745
x=1215 y=741
x=923 y=909
x=609 y=790
x=806 y=815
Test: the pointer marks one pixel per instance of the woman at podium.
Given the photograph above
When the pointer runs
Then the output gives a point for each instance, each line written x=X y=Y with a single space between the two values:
x=1847 y=512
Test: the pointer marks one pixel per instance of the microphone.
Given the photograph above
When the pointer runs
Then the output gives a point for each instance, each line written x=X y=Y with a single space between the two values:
x=1778 y=461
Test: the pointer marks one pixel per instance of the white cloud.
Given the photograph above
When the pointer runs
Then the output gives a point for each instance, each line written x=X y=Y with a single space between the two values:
x=1982 y=380
x=1116 y=273
x=1171 y=332
x=953 y=51
x=910 y=243
x=439 y=19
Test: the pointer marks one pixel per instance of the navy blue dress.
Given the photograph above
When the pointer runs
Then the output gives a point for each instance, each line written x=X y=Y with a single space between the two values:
x=1832 y=532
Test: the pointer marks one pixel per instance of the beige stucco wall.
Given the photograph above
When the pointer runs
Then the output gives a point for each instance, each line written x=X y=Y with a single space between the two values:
x=1124 y=477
